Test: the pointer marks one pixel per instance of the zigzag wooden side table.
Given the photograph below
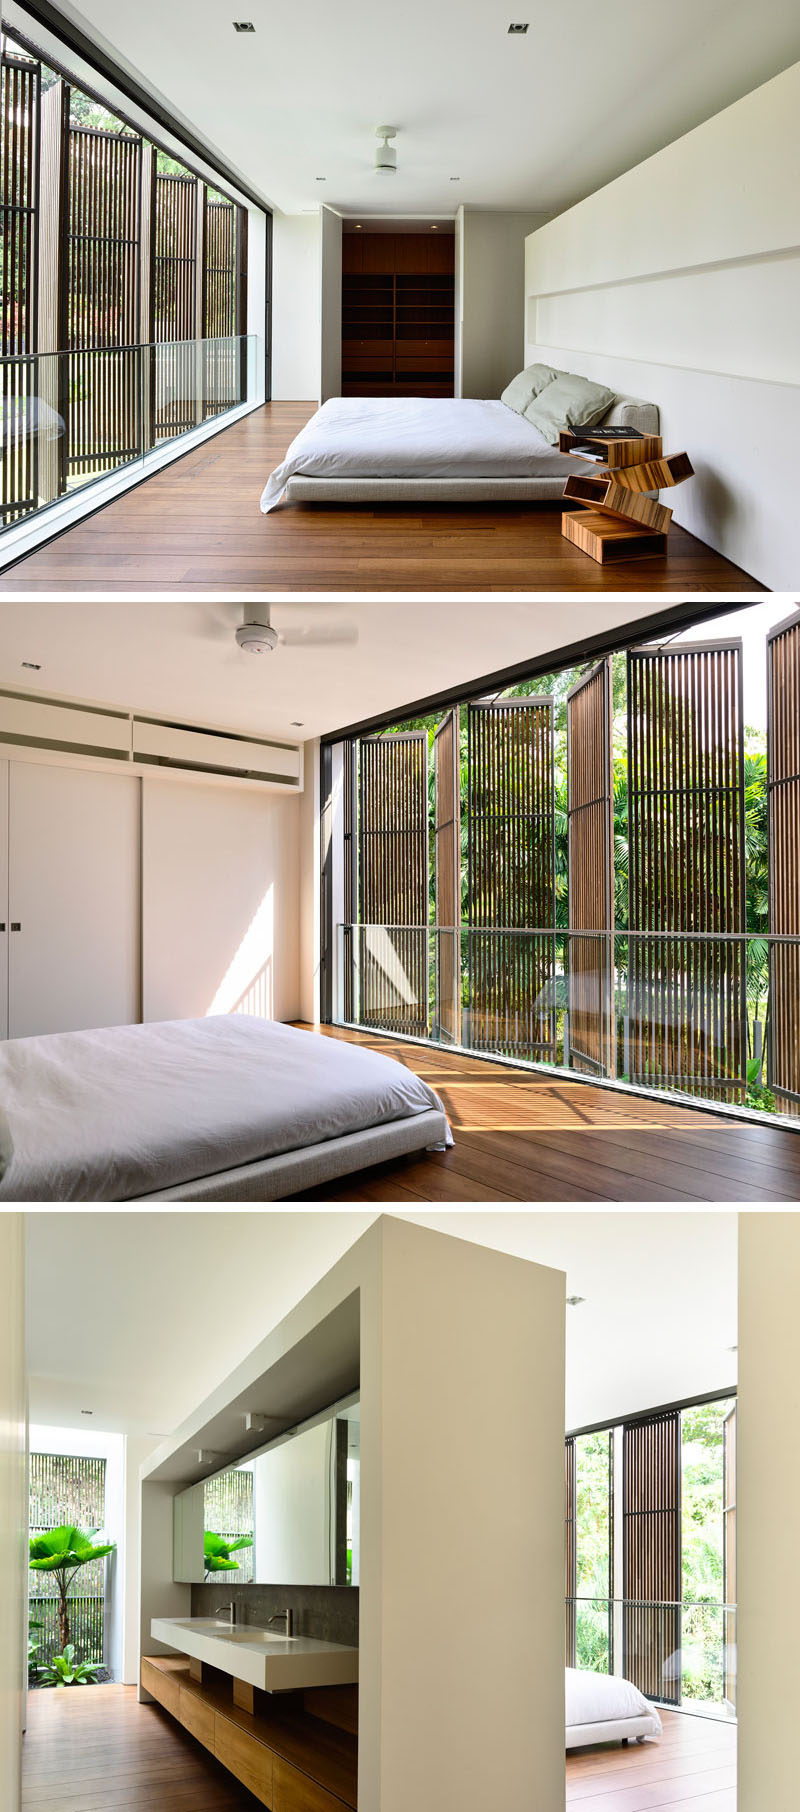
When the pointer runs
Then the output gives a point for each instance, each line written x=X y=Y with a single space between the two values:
x=619 y=521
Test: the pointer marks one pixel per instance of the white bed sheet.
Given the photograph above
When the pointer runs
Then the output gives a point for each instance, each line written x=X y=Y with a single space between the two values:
x=103 y=1116
x=417 y=437
x=605 y=1698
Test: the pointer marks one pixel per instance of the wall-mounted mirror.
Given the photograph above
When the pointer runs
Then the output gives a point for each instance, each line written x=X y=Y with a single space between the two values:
x=286 y=1515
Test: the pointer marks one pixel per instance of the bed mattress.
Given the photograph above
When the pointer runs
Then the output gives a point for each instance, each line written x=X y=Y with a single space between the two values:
x=125 y=1111
x=416 y=437
x=602 y=1706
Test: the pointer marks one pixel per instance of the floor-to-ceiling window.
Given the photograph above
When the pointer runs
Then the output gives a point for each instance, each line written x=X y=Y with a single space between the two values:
x=593 y=868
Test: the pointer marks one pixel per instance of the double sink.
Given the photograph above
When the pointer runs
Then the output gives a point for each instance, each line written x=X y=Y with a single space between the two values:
x=261 y=1658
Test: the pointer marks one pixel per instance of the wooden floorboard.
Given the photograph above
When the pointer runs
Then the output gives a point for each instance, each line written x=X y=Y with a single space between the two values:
x=524 y=1136
x=96 y=1749
x=692 y=1769
x=197 y=525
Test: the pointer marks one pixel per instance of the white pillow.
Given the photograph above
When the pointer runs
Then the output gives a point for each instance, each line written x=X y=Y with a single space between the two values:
x=526 y=385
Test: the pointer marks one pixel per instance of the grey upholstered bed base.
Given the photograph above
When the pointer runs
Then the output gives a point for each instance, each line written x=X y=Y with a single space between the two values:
x=627 y=412
x=273 y=1179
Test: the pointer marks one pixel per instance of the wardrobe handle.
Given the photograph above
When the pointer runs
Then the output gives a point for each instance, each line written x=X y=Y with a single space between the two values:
x=2 y=925
x=15 y=925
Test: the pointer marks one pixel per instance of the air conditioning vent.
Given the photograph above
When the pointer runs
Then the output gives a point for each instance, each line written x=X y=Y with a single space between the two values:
x=30 y=722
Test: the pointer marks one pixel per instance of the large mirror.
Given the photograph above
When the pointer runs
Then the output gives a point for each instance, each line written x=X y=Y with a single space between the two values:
x=287 y=1515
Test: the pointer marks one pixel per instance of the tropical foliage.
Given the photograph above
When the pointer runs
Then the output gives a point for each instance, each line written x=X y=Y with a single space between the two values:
x=218 y=1550
x=64 y=1670
x=63 y=1552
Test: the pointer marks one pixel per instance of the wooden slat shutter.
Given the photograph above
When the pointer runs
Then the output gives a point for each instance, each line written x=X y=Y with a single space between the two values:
x=100 y=321
x=350 y=873
x=393 y=838
x=570 y=1547
x=590 y=822
x=447 y=870
x=223 y=275
x=511 y=880
x=783 y=785
x=729 y=1587
x=651 y=1515
x=20 y=83
x=174 y=265
x=687 y=1024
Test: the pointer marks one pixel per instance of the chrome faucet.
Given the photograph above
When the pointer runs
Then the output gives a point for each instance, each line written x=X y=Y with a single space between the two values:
x=230 y=1607
x=288 y=1615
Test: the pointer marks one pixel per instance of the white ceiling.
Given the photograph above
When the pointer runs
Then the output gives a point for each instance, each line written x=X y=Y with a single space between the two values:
x=534 y=121
x=139 y=1316
x=179 y=659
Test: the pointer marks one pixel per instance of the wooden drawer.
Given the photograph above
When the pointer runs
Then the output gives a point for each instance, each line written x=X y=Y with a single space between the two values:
x=296 y=1792
x=197 y=1718
x=164 y=1687
x=248 y=1759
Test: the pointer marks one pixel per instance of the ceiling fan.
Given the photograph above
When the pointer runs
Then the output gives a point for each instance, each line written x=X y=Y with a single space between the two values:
x=256 y=635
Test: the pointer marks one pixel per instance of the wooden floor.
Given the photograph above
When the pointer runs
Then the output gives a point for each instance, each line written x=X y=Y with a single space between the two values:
x=197 y=525
x=98 y=1750
x=522 y=1136
x=692 y=1769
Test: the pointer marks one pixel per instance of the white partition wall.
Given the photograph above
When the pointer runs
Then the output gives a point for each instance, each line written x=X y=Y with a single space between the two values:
x=13 y=1507
x=768 y=1493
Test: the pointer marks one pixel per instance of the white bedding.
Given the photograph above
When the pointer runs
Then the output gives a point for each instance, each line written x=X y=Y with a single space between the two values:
x=416 y=437
x=108 y=1115
x=605 y=1699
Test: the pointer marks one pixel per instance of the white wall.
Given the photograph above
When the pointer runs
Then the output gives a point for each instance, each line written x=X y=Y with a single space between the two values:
x=13 y=1506
x=490 y=317
x=220 y=908
x=296 y=287
x=680 y=282
x=768 y=1491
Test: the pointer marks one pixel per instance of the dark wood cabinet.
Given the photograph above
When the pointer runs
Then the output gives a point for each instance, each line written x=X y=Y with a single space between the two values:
x=398 y=308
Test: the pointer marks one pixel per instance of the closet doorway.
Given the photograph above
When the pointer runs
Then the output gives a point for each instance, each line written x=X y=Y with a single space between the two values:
x=398 y=307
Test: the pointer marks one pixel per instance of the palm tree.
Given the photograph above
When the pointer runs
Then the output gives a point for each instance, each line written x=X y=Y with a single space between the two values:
x=63 y=1552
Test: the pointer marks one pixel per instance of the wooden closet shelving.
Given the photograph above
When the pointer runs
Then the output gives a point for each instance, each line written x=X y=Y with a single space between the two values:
x=398 y=305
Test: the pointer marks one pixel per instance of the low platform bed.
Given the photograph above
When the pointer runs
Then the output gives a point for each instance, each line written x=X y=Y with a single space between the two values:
x=604 y=1708
x=221 y=1109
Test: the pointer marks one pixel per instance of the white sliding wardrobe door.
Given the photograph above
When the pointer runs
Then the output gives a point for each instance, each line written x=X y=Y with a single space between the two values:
x=74 y=892
x=4 y=934
x=220 y=901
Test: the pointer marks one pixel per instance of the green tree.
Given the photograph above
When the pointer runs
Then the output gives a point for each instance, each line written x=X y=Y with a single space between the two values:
x=63 y=1552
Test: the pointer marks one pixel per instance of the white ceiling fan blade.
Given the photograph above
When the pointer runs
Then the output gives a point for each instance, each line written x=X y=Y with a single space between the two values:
x=345 y=634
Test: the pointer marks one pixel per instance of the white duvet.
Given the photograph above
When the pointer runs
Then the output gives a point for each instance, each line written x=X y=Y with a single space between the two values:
x=104 y=1116
x=604 y=1698
x=416 y=437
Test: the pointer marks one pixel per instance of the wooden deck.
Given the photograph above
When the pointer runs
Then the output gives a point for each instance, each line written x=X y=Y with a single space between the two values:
x=692 y=1767
x=522 y=1136
x=197 y=525
x=98 y=1750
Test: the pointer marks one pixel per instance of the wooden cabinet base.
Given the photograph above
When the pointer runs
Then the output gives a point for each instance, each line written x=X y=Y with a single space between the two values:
x=244 y=1696
x=606 y=538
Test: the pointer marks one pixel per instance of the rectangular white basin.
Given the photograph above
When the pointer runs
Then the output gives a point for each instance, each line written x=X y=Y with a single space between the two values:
x=273 y=1662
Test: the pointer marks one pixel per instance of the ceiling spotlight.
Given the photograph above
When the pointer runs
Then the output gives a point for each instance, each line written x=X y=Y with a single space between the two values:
x=243 y=25
x=573 y=1301
x=517 y=30
x=386 y=155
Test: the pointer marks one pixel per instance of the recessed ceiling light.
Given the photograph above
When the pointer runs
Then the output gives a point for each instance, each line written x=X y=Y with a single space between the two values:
x=33 y=666
x=243 y=25
x=320 y=179
x=455 y=179
x=573 y=1301
x=516 y=30
x=87 y=1412
x=359 y=227
x=733 y=1349
x=297 y=723
x=434 y=227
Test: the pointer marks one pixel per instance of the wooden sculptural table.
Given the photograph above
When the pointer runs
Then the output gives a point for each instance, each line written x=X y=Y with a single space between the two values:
x=618 y=519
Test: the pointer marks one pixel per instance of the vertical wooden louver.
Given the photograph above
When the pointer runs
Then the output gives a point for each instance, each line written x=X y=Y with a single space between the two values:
x=590 y=821
x=350 y=874
x=651 y=1517
x=687 y=1025
x=511 y=880
x=174 y=263
x=20 y=79
x=729 y=1587
x=393 y=839
x=447 y=869
x=224 y=357
x=570 y=1547
x=783 y=785
x=100 y=322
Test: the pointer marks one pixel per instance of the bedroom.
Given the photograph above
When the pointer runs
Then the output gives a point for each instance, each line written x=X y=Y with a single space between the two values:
x=579 y=1317
x=280 y=255
x=309 y=903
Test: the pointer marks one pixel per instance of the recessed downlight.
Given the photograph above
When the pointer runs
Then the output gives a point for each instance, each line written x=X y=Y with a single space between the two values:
x=359 y=227
x=87 y=1412
x=574 y=1301
x=434 y=227
x=243 y=25
x=297 y=723
x=33 y=666
x=320 y=178
x=518 y=31
x=455 y=179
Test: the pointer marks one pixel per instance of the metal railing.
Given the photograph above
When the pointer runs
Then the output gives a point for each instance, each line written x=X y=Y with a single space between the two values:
x=678 y=1652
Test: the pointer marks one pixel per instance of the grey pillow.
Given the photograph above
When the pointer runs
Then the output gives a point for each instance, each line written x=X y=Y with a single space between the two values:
x=526 y=385
x=6 y=1145
x=569 y=402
